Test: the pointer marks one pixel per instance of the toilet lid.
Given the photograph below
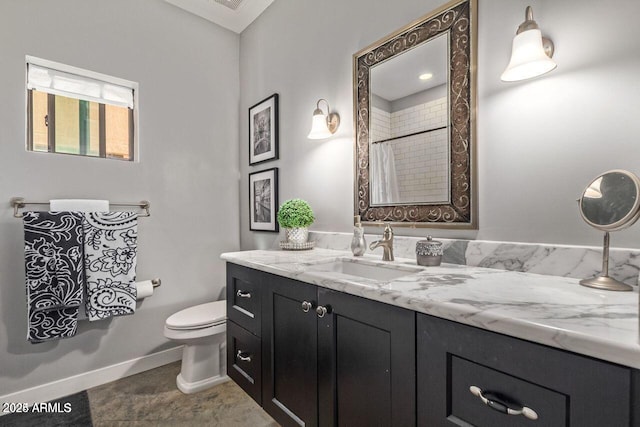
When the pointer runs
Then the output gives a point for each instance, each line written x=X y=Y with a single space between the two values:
x=198 y=316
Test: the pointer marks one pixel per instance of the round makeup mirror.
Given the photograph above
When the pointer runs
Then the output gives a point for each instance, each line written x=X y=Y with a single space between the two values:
x=610 y=202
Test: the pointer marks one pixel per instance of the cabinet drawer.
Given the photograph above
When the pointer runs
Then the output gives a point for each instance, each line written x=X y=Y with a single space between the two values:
x=565 y=389
x=244 y=295
x=244 y=361
x=499 y=388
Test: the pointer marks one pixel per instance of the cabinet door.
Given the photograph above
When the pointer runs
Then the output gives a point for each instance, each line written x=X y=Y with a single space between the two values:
x=366 y=362
x=289 y=348
x=563 y=389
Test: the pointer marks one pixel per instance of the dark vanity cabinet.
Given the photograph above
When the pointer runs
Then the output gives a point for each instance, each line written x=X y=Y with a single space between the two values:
x=328 y=358
x=312 y=356
x=562 y=389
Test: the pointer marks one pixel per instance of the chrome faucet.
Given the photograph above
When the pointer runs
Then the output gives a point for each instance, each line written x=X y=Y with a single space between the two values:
x=386 y=243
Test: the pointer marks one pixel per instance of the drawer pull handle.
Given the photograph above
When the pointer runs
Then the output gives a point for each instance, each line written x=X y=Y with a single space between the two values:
x=501 y=407
x=306 y=306
x=322 y=310
x=243 y=294
x=241 y=356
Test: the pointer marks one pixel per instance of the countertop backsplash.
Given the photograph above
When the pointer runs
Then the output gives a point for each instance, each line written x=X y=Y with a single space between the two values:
x=577 y=262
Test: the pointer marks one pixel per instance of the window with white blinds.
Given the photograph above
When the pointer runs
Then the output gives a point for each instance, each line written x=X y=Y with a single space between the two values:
x=76 y=111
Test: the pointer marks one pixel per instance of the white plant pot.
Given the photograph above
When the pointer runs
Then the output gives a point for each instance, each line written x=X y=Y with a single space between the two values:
x=297 y=235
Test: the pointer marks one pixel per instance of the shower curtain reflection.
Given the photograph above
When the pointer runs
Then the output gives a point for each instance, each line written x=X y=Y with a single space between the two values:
x=384 y=182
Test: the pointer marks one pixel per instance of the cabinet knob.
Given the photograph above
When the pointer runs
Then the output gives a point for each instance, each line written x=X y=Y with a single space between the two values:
x=243 y=294
x=245 y=357
x=499 y=406
x=306 y=306
x=322 y=310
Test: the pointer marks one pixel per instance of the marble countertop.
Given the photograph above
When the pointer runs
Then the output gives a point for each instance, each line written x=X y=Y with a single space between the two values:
x=550 y=310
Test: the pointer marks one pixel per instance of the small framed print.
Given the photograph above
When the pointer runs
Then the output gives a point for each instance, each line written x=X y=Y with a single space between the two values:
x=263 y=200
x=263 y=130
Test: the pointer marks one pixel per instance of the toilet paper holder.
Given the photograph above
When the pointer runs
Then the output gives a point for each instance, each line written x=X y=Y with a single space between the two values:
x=146 y=288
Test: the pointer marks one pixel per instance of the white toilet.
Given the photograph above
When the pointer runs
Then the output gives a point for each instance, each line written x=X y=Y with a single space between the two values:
x=201 y=329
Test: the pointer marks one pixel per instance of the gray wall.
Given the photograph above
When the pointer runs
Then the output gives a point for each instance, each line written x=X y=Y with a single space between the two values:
x=539 y=142
x=188 y=73
x=419 y=98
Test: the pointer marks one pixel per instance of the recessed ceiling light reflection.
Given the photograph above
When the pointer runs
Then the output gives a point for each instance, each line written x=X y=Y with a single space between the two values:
x=425 y=76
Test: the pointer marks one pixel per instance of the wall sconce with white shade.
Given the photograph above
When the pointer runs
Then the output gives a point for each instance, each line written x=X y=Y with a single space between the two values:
x=323 y=125
x=530 y=54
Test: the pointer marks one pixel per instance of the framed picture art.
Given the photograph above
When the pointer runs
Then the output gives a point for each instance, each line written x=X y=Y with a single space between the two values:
x=263 y=200
x=263 y=130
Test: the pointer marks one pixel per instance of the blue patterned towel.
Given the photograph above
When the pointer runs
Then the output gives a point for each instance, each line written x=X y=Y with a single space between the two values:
x=110 y=263
x=54 y=273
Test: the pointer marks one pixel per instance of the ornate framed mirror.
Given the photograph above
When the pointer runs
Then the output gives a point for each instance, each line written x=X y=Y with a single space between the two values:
x=414 y=102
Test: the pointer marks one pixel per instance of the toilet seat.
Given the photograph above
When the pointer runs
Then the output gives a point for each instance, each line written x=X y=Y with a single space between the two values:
x=198 y=317
x=207 y=333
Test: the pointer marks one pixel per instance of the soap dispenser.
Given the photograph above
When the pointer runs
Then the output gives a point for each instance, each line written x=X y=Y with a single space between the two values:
x=358 y=245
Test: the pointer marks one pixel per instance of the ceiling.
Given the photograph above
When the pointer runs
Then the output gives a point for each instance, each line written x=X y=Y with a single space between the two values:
x=397 y=78
x=234 y=15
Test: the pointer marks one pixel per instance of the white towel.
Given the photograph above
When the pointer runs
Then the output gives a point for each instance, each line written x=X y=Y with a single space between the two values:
x=110 y=245
x=78 y=205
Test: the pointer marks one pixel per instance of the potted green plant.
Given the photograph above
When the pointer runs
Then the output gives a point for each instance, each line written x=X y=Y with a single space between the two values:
x=295 y=216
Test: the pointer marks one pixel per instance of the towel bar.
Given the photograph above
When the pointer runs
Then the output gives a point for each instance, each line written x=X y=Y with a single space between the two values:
x=19 y=203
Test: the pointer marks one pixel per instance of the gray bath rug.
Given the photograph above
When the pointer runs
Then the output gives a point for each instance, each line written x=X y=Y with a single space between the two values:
x=67 y=411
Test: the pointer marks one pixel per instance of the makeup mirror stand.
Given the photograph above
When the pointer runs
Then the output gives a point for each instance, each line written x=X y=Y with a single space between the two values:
x=611 y=202
x=603 y=281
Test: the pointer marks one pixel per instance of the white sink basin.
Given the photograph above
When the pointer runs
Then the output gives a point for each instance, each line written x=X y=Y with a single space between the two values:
x=363 y=269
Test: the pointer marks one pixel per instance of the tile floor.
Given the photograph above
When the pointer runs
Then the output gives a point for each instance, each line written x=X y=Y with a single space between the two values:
x=152 y=399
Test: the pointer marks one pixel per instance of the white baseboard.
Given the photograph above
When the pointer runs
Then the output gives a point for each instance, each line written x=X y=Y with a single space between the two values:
x=86 y=380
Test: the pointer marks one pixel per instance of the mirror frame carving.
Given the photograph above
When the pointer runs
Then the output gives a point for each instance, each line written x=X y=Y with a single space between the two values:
x=458 y=18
